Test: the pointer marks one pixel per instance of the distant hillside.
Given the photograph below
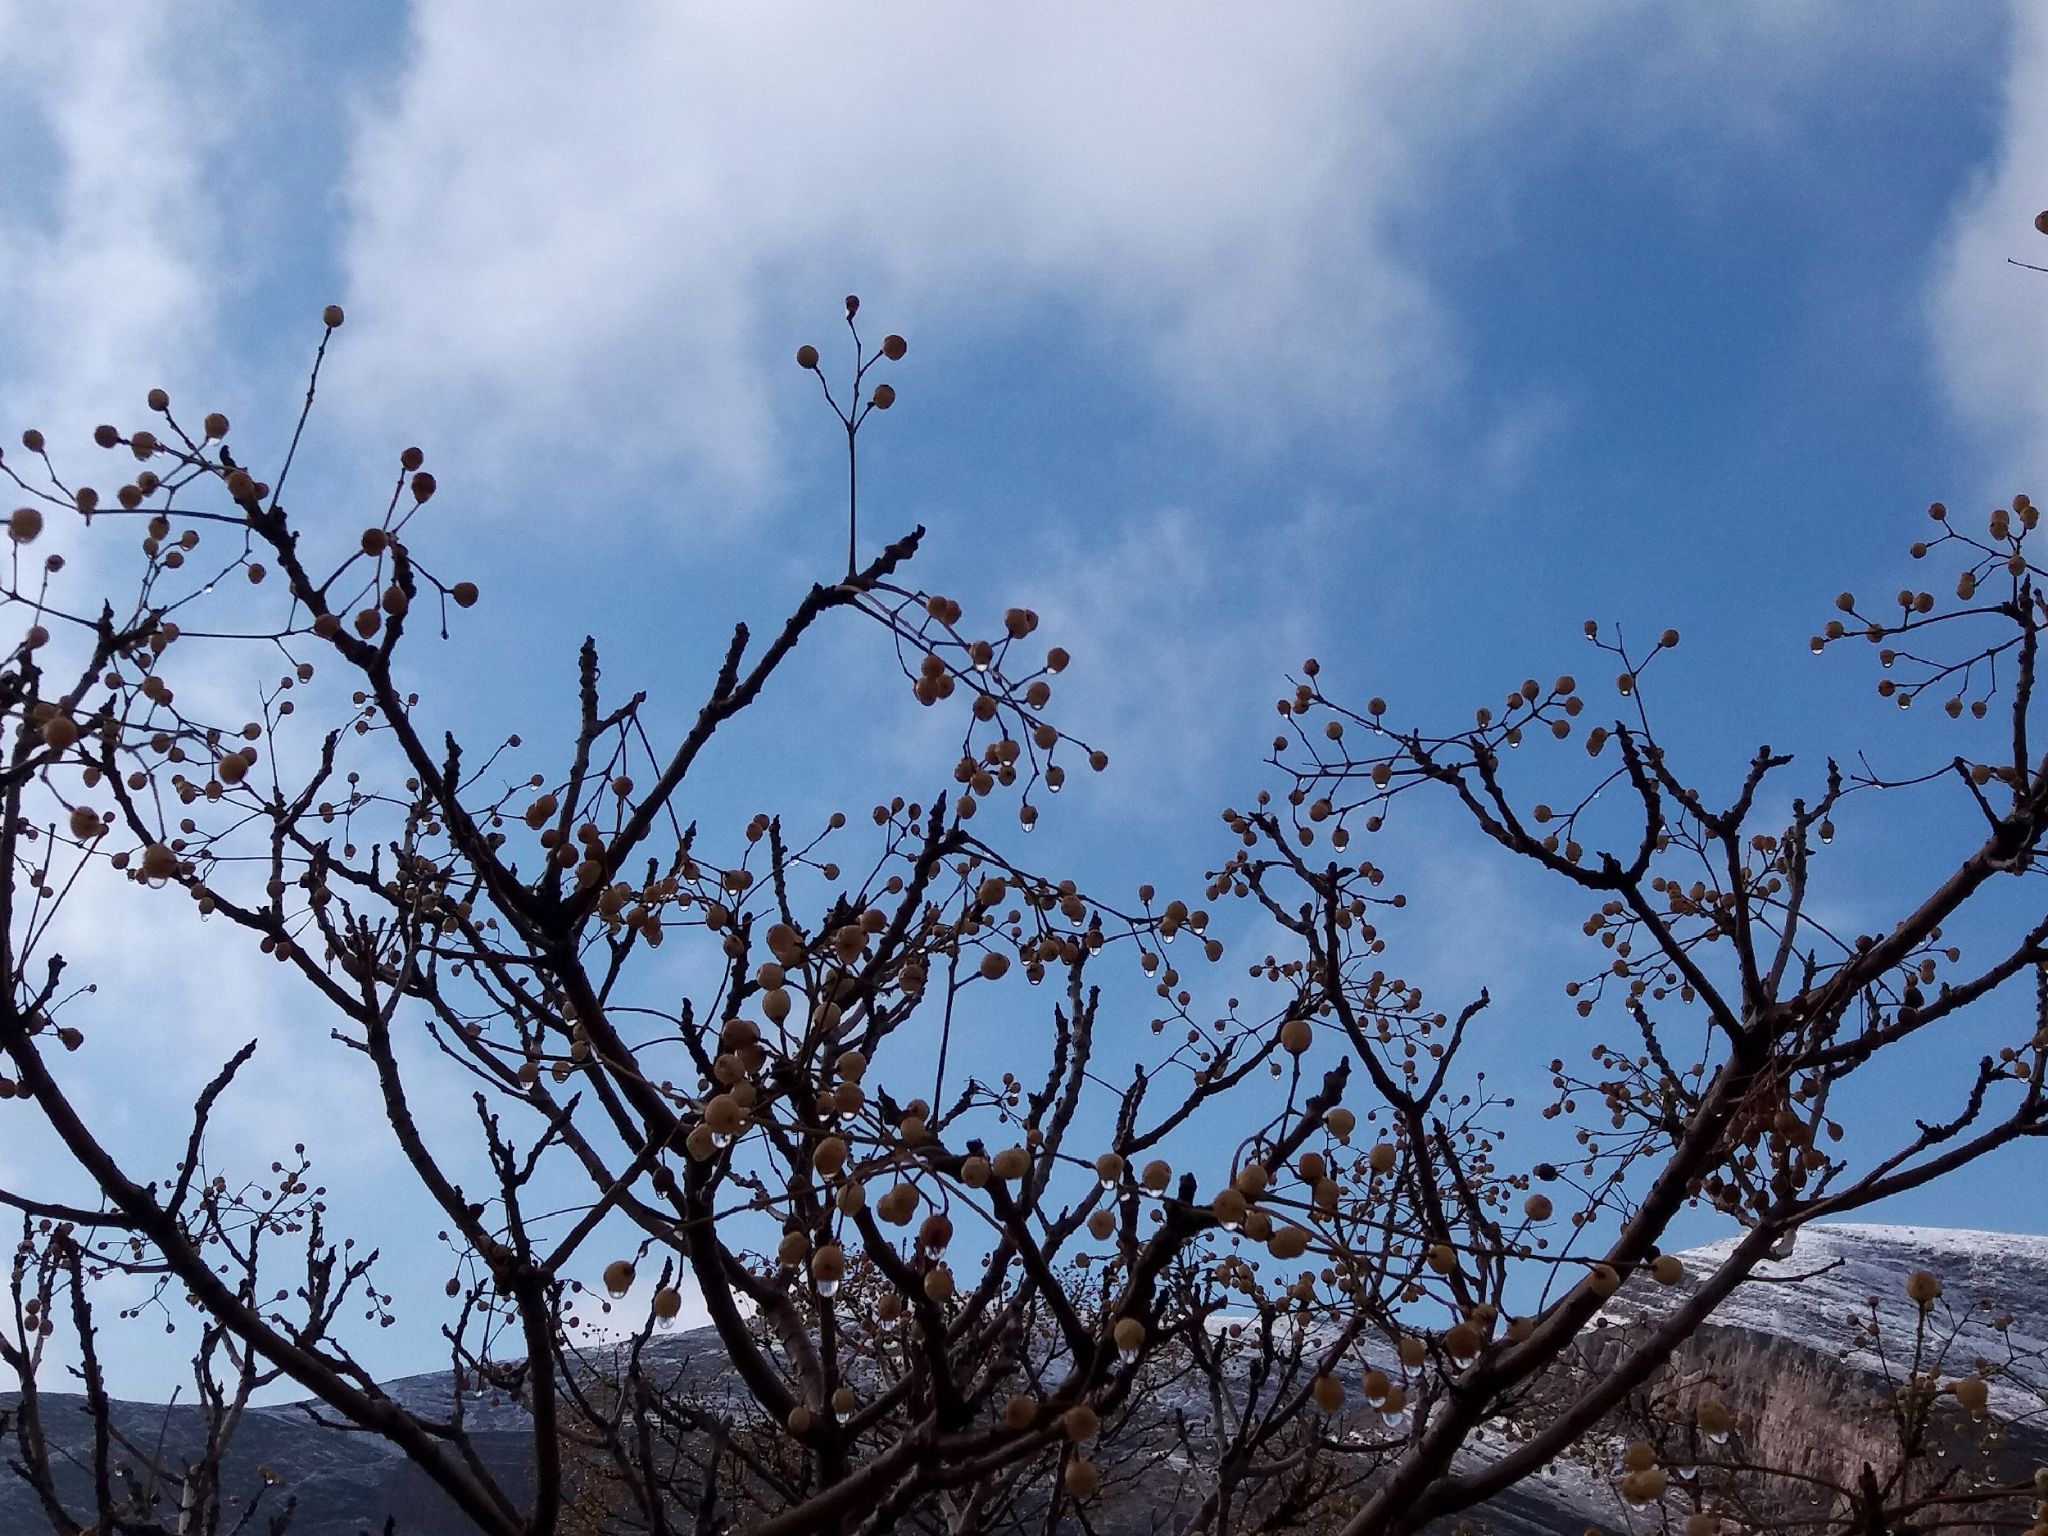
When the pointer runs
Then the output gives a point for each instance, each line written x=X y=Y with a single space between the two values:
x=1810 y=1399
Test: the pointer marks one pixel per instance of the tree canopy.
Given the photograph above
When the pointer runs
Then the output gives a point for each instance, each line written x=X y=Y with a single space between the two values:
x=944 y=1298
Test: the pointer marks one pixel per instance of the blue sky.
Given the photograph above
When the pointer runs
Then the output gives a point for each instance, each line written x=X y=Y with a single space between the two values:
x=1406 y=337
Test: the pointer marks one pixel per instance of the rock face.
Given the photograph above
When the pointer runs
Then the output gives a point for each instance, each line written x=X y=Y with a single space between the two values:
x=1792 y=1352
x=1811 y=1353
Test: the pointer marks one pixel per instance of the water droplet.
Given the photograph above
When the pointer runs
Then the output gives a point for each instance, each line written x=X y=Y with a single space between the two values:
x=1718 y=1436
x=828 y=1288
x=1397 y=1420
x=1128 y=1356
x=720 y=1140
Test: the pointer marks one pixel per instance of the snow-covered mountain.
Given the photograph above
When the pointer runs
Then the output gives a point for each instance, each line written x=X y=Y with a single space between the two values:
x=1823 y=1294
x=1793 y=1346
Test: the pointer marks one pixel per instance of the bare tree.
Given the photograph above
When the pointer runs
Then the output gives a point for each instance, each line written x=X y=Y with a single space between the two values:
x=941 y=1301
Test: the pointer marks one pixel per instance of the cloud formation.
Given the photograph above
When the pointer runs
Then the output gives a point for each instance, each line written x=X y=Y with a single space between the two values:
x=597 y=228
x=108 y=241
x=1988 y=319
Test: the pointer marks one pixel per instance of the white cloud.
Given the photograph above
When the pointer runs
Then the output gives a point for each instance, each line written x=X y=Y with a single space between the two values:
x=106 y=258
x=605 y=228
x=1989 y=319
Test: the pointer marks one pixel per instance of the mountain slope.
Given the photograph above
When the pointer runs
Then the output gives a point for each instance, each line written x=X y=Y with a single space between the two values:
x=1785 y=1348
